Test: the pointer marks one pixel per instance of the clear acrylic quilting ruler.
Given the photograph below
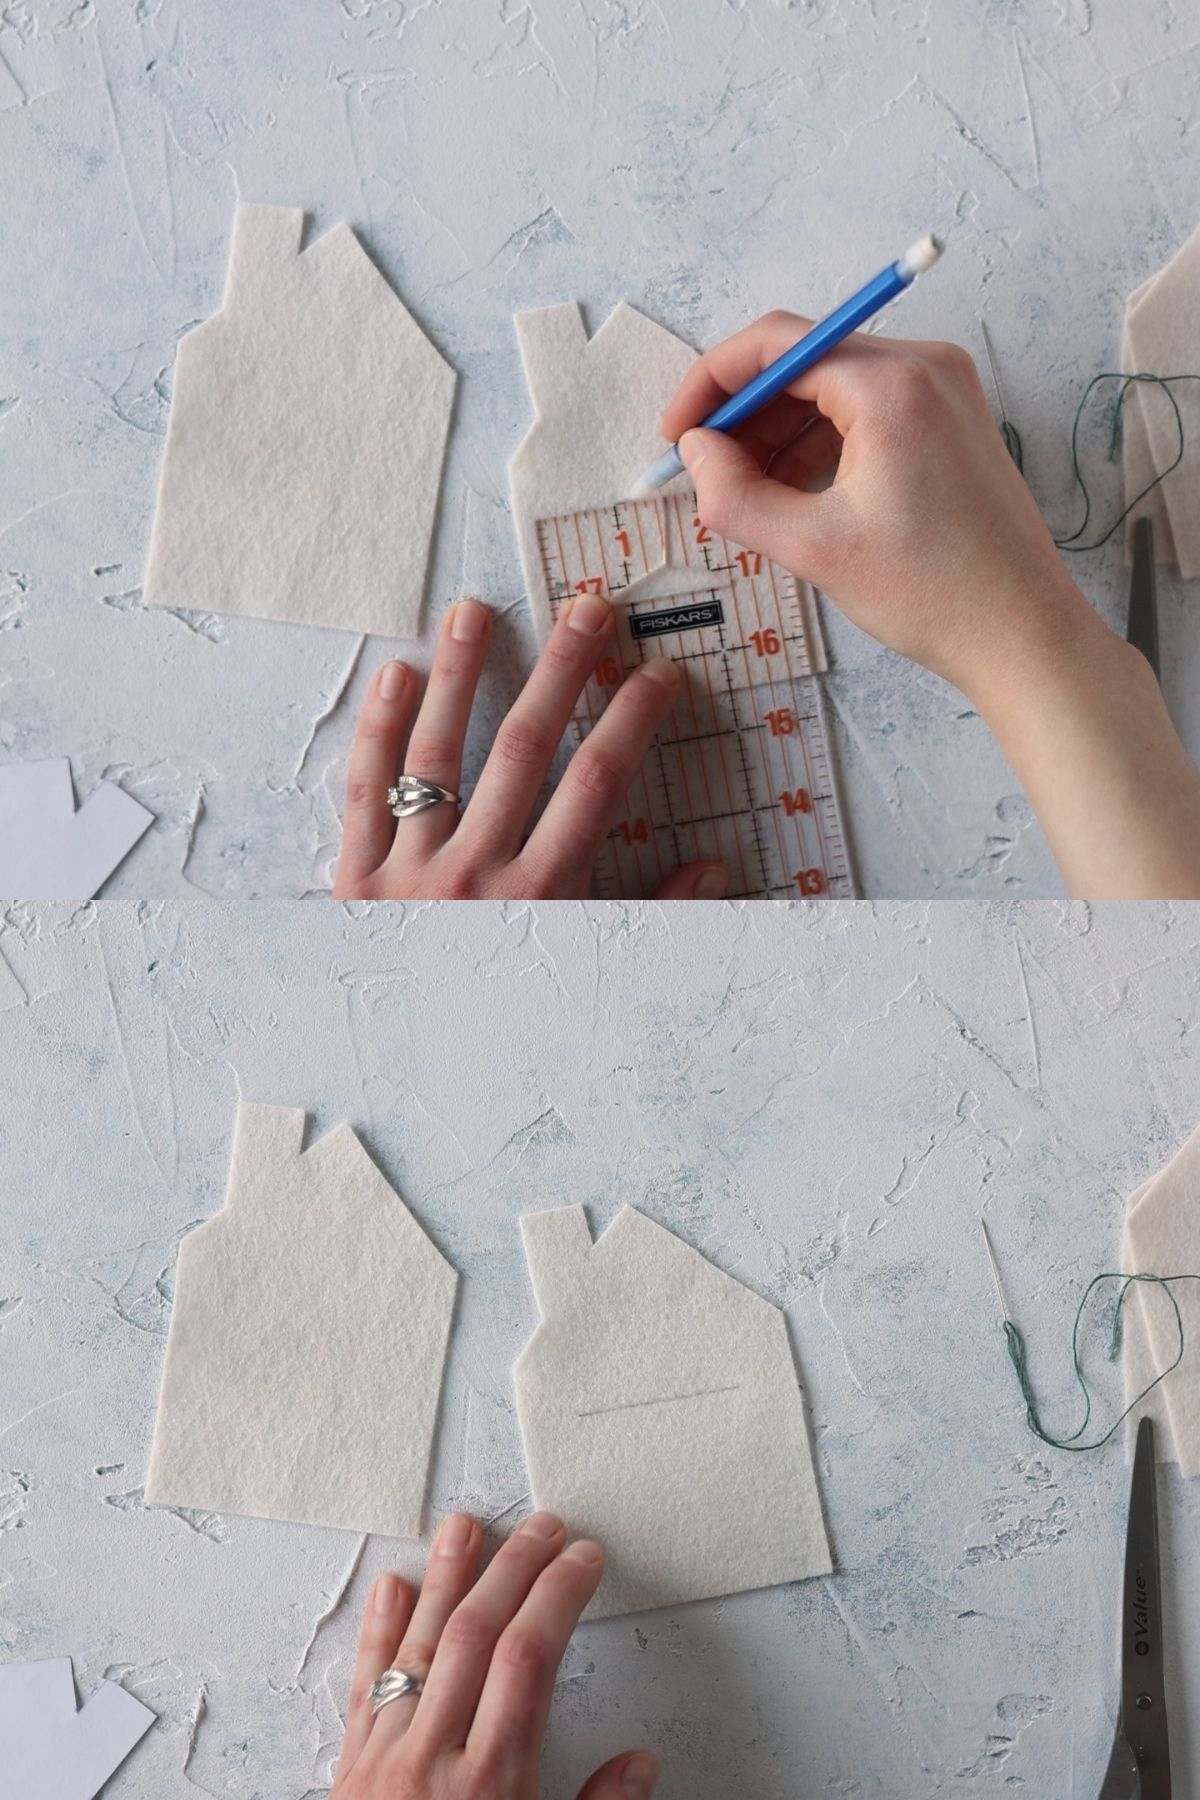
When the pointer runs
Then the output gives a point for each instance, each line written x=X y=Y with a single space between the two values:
x=742 y=771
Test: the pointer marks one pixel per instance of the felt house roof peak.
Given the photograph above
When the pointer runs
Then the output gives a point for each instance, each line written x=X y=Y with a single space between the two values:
x=563 y=1257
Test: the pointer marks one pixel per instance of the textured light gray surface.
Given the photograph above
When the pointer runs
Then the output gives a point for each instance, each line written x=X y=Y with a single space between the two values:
x=706 y=159
x=822 y=1101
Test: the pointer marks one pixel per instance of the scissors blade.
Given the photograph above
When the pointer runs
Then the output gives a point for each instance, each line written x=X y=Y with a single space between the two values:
x=1141 y=629
x=1121 y=1777
x=1143 y=1691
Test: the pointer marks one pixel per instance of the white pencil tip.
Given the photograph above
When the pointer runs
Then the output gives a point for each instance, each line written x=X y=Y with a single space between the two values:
x=922 y=255
x=668 y=466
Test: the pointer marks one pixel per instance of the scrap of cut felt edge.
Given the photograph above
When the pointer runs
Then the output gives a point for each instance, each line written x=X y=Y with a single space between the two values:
x=305 y=444
x=662 y=1415
x=52 y=850
x=1162 y=1236
x=597 y=402
x=1162 y=336
x=50 y=1747
x=1138 y=466
x=313 y=1282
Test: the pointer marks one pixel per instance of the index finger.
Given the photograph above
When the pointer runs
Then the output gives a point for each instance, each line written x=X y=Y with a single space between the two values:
x=728 y=366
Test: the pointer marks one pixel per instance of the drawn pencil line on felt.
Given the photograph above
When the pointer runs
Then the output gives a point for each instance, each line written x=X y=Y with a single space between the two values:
x=597 y=1412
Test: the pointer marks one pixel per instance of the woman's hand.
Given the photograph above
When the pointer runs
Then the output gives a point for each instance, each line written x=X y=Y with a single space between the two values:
x=927 y=536
x=487 y=1653
x=485 y=855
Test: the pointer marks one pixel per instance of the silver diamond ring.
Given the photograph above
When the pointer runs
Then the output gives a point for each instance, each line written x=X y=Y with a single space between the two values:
x=412 y=794
x=393 y=1684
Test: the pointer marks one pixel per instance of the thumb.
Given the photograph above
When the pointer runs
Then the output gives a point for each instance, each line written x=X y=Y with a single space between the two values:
x=695 y=881
x=626 y=1777
x=736 y=499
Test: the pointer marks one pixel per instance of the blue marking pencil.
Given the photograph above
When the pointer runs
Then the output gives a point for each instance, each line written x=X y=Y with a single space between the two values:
x=812 y=346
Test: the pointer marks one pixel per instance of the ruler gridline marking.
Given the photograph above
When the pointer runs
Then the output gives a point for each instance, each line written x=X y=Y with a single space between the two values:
x=749 y=730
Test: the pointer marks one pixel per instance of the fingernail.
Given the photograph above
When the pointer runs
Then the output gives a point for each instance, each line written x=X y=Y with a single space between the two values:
x=584 y=1552
x=543 y=1525
x=639 y=1776
x=468 y=621
x=455 y=1533
x=387 y=1592
x=392 y=679
x=710 y=884
x=662 y=670
x=692 y=449
x=589 y=615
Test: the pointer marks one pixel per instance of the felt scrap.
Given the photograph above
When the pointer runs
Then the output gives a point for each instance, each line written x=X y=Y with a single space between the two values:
x=1138 y=463
x=305 y=444
x=49 y=848
x=1162 y=1237
x=662 y=1416
x=50 y=1747
x=1162 y=337
x=308 y=1337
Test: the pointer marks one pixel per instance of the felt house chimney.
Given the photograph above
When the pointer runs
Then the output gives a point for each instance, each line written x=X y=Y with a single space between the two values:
x=558 y=1247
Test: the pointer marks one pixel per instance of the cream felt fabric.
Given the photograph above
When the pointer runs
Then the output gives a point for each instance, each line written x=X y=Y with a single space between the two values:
x=1162 y=1237
x=304 y=451
x=49 y=850
x=661 y=1414
x=50 y=1747
x=1138 y=461
x=597 y=404
x=307 y=1341
x=1162 y=336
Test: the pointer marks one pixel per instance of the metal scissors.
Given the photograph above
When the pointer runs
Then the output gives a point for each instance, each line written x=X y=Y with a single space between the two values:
x=1140 y=1763
x=1141 y=629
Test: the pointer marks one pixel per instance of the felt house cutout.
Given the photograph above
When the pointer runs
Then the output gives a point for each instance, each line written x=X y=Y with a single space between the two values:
x=308 y=1337
x=51 y=850
x=597 y=403
x=52 y=1746
x=662 y=1416
x=304 y=451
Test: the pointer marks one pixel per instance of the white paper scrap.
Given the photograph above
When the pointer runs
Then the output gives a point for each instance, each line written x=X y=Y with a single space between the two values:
x=1162 y=1237
x=662 y=1415
x=51 y=851
x=52 y=1749
x=597 y=404
x=307 y=1341
x=304 y=451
